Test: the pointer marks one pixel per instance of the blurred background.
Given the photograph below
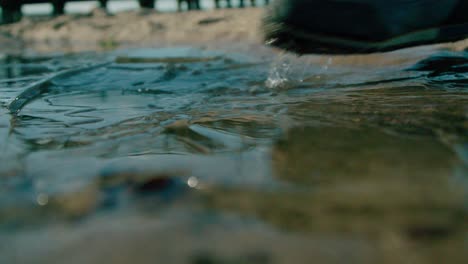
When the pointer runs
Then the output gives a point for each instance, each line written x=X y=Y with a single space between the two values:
x=115 y=6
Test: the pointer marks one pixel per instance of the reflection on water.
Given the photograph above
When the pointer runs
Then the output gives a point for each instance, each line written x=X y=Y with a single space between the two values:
x=270 y=160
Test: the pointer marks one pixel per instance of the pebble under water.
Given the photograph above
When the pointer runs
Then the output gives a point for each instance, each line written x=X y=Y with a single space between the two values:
x=185 y=155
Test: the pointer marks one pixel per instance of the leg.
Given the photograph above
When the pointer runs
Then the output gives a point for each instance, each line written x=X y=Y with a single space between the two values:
x=229 y=5
x=146 y=3
x=241 y=3
x=103 y=3
x=179 y=5
x=252 y=2
x=217 y=4
x=11 y=13
x=59 y=7
x=194 y=4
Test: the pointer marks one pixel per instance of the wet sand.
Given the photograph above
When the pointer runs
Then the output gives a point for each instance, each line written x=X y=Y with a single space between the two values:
x=140 y=28
x=101 y=31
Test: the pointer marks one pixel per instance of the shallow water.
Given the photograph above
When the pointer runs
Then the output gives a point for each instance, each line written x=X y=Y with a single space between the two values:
x=197 y=156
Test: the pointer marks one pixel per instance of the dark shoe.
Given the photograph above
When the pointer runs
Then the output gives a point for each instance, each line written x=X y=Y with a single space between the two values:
x=363 y=26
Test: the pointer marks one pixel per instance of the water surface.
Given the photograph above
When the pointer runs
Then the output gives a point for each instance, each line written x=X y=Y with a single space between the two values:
x=188 y=155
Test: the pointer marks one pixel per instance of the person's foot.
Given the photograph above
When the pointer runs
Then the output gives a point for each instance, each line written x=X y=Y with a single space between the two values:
x=363 y=26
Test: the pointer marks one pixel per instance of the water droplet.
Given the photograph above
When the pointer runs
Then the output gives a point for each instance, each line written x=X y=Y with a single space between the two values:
x=192 y=182
x=271 y=41
x=328 y=64
x=280 y=73
x=42 y=199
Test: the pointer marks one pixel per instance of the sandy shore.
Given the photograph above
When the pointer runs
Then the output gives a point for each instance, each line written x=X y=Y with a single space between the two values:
x=231 y=30
x=98 y=30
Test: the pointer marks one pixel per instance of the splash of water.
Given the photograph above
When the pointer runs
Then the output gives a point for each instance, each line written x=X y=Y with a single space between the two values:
x=280 y=75
x=287 y=71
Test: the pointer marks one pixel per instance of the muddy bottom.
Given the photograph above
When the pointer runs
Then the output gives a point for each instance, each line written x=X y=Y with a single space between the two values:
x=185 y=155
